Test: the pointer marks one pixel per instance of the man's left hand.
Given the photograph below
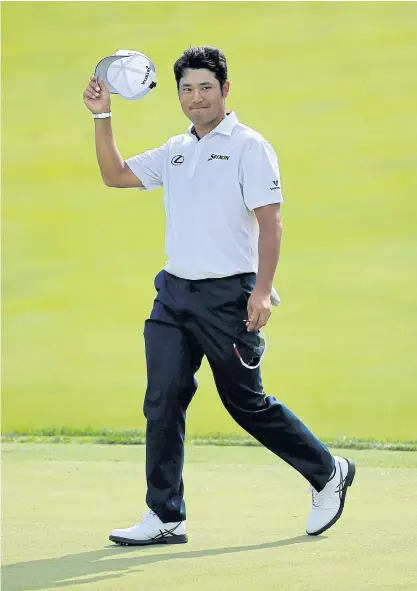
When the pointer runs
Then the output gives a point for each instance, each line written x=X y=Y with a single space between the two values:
x=259 y=309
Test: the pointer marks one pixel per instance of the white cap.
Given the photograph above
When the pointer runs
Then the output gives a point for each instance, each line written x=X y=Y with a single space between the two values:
x=128 y=73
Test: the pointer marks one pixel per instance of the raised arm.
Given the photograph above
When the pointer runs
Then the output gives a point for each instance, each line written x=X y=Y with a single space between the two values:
x=114 y=171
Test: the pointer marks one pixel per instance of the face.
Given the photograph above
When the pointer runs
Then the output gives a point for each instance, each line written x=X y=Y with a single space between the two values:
x=201 y=98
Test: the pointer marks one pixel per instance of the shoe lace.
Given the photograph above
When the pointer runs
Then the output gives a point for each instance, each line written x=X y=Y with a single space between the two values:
x=146 y=516
x=317 y=497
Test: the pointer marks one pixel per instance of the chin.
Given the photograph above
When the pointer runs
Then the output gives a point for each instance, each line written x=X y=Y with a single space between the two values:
x=200 y=114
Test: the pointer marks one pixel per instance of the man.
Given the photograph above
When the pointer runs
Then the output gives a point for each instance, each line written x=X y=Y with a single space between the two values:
x=223 y=206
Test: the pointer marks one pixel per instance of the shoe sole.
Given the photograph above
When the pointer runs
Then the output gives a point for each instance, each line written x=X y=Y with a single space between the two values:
x=183 y=539
x=349 y=479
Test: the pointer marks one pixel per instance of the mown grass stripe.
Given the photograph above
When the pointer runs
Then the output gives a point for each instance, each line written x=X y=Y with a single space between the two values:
x=137 y=437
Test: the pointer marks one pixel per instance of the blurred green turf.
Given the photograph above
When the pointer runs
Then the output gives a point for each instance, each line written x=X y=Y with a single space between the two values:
x=333 y=87
x=246 y=515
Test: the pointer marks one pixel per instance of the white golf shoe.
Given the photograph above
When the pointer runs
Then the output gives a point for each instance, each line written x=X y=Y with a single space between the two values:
x=328 y=504
x=151 y=530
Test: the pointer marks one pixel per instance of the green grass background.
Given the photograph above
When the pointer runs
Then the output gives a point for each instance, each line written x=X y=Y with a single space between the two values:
x=246 y=523
x=333 y=87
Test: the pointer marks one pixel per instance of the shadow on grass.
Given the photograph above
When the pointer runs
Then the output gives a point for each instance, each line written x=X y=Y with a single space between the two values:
x=97 y=565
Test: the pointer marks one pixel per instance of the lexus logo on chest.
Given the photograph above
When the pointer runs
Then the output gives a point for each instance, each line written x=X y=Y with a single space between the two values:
x=177 y=160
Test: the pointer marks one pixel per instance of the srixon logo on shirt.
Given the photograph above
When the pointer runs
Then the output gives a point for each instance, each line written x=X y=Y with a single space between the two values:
x=218 y=157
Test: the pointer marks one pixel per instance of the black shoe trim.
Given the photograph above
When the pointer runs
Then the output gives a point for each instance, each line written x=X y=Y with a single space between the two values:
x=164 y=539
x=342 y=493
x=333 y=473
x=168 y=532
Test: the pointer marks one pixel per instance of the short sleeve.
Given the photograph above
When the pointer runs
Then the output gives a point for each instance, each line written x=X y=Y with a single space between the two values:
x=259 y=175
x=148 y=167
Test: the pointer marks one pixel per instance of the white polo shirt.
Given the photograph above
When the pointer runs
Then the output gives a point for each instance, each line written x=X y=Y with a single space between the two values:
x=211 y=187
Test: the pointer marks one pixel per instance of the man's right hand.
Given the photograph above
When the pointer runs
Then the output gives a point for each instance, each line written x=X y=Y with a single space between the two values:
x=114 y=170
x=97 y=96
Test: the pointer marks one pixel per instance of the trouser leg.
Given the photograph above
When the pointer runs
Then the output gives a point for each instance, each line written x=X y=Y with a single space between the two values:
x=219 y=325
x=271 y=422
x=172 y=360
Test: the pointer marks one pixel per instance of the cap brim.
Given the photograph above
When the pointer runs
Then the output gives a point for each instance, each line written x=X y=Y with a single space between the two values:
x=101 y=70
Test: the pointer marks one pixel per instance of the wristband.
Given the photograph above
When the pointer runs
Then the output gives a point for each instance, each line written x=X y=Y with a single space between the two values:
x=101 y=115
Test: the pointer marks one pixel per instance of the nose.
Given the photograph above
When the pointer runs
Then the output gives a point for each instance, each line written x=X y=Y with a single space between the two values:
x=196 y=96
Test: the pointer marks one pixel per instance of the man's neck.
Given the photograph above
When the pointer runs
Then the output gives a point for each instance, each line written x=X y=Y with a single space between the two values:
x=201 y=131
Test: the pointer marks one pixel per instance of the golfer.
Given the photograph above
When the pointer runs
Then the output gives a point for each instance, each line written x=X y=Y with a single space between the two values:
x=223 y=198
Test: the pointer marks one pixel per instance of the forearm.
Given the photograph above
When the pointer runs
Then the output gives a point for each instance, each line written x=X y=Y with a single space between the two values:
x=110 y=162
x=269 y=246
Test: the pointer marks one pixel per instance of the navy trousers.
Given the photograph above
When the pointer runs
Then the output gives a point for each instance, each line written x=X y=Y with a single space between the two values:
x=191 y=319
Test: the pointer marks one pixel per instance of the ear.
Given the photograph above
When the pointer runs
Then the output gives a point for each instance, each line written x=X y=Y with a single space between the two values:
x=226 y=87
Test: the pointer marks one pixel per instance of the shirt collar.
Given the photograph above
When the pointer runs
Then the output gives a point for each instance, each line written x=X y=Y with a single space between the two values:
x=225 y=127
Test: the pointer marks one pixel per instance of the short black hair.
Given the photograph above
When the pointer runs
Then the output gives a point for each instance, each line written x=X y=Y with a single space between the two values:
x=209 y=58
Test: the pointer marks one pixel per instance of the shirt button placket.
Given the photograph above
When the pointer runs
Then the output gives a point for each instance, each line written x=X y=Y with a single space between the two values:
x=194 y=160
